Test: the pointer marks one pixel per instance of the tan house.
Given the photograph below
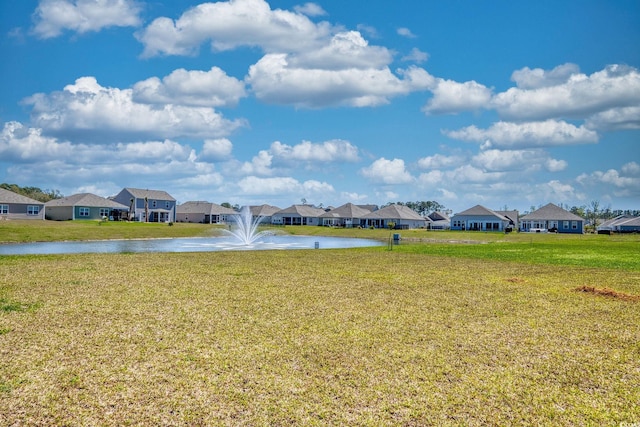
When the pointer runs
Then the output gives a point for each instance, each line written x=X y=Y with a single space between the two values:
x=203 y=212
x=402 y=218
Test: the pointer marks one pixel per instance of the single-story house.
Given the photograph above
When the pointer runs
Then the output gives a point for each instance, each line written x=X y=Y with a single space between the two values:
x=439 y=221
x=17 y=206
x=159 y=205
x=401 y=216
x=347 y=215
x=479 y=218
x=84 y=206
x=297 y=215
x=203 y=212
x=264 y=212
x=620 y=224
x=552 y=218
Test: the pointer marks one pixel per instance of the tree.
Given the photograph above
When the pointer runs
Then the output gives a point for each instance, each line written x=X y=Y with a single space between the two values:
x=146 y=209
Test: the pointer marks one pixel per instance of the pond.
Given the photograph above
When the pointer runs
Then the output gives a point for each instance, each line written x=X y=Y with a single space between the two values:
x=194 y=244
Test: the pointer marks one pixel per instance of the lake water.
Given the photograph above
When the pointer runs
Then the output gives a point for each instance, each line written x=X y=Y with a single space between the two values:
x=195 y=244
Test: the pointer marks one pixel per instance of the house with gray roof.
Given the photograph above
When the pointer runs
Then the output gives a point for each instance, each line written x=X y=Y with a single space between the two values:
x=479 y=218
x=264 y=212
x=402 y=218
x=620 y=224
x=297 y=215
x=84 y=206
x=17 y=206
x=203 y=213
x=439 y=221
x=347 y=215
x=159 y=205
x=552 y=218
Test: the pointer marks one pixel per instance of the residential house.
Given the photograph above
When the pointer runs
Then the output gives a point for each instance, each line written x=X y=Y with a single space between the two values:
x=479 y=218
x=203 y=212
x=264 y=212
x=17 y=206
x=85 y=206
x=297 y=215
x=347 y=215
x=552 y=218
x=620 y=224
x=402 y=218
x=161 y=207
x=439 y=221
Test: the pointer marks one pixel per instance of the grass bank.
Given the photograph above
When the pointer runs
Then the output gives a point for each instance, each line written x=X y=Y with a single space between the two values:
x=318 y=337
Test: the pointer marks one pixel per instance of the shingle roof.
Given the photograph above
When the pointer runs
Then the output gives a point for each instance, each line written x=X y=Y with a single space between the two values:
x=396 y=212
x=264 y=210
x=150 y=194
x=348 y=210
x=202 y=207
x=302 y=210
x=479 y=210
x=551 y=212
x=7 y=196
x=88 y=200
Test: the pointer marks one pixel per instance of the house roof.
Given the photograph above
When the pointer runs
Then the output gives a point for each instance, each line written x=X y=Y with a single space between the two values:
x=348 y=210
x=302 y=210
x=622 y=220
x=438 y=216
x=264 y=210
x=396 y=212
x=7 y=196
x=551 y=212
x=201 y=207
x=150 y=194
x=88 y=200
x=479 y=210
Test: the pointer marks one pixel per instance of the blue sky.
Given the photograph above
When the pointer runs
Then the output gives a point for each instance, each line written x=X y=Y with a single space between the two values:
x=505 y=104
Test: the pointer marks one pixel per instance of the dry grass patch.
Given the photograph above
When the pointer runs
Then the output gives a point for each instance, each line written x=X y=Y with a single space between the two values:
x=320 y=337
x=606 y=292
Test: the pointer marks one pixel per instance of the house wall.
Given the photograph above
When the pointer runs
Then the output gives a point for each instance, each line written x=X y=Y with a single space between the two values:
x=21 y=211
x=197 y=217
x=571 y=227
x=478 y=223
x=59 y=213
x=292 y=219
x=94 y=212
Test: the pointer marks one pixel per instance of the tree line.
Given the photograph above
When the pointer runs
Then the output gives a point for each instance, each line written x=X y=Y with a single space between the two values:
x=34 y=193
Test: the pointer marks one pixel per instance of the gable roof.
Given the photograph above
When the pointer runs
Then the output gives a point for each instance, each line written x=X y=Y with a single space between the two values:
x=7 y=196
x=88 y=200
x=202 y=207
x=348 y=210
x=302 y=210
x=150 y=194
x=438 y=216
x=551 y=212
x=622 y=220
x=396 y=212
x=263 y=210
x=479 y=210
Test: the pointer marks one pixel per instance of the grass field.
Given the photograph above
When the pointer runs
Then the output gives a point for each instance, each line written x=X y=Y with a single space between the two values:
x=489 y=330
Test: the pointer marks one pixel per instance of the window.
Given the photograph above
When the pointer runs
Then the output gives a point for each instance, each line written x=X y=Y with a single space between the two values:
x=83 y=211
x=33 y=210
x=574 y=225
x=154 y=204
x=4 y=209
x=104 y=212
x=167 y=204
x=565 y=224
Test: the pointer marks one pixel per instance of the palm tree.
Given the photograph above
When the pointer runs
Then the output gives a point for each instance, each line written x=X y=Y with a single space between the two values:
x=131 y=212
x=146 y=209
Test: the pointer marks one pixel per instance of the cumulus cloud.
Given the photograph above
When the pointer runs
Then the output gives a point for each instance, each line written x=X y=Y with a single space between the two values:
x=52 y=17
x=438 y=161
x=211 y=88
x=450 y=97
x=527 y=78
x=310 y=9
x=624 y=118
x=87 y=108
x=274 y=80
x=517 y=160
x=19 y=143
x=623 y=183
x=416 y=55
x=580 y=96
x=230 y=24
x=282 y=186
x=216 y=149
x=329 y=151
x=387 y=172
x=528 y=134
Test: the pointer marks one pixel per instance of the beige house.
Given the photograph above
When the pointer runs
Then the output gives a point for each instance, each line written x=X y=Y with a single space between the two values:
x=347 y=215
x=203 y=212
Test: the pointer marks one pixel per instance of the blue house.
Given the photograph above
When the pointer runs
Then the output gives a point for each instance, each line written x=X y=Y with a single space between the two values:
x=552 y=218
x=158 y=205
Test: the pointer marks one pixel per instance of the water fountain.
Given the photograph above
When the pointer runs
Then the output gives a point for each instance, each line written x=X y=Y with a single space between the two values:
x=246 y=227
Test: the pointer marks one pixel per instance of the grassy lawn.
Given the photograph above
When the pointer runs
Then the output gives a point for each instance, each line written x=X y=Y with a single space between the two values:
x=430 y=333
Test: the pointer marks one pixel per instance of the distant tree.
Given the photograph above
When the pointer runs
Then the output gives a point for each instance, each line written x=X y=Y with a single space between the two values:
x=226 y=205
x=33 y=192
x=423 y=208
x=579 y=210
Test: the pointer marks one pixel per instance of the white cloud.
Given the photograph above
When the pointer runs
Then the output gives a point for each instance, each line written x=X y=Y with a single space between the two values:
x=631 y=168
x=616 y=86
x=310 y=9
x=416 y=55
x=472 y=174
x=329 y=151
x=274 y=80
x=527 y=78
x=453 y=97
x=19 y=144
x=438 y=161
x=259 y=164
x=216 y=149
x=279 y=186
x=211 y=88
x=517 y=160
x=86 y=107
x=528 y=134
x=387 y=172
x=623 y=183
x=615 y=119
x=405 y=32
x=54 y=16
x=230 y=24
